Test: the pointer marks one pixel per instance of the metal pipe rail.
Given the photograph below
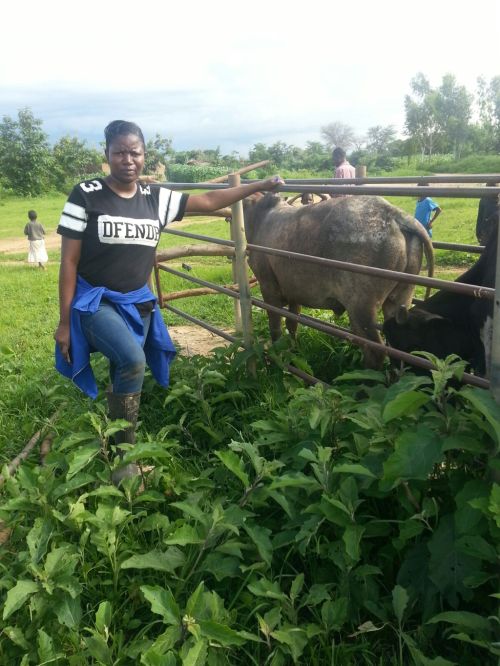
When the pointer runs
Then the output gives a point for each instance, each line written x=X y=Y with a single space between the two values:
x=457 y=287
x=461 y=247
x=438 y=245
x=330 y=329
x=368 y=187
x=305 y=376
x=462 y=178
x=355 y=188
x=396 y=190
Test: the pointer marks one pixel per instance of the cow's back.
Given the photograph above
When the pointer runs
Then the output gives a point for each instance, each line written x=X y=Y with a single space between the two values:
x=359 y=230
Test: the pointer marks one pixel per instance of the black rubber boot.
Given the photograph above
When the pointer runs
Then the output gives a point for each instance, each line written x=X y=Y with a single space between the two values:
x=124 y=406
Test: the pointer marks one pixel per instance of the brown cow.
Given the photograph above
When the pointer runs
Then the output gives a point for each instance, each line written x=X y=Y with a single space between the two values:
x=362 y=230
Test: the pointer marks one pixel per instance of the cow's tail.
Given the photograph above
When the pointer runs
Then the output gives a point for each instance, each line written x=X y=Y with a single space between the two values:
x=413 y=226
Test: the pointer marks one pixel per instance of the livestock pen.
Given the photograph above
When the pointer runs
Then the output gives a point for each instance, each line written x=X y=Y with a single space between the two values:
x=237 y=247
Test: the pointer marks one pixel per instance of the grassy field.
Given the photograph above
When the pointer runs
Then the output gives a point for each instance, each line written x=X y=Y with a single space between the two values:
x=30 y=311
x=275 y=520
x=14 y=213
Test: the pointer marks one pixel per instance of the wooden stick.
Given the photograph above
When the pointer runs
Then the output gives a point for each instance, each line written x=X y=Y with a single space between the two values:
x=246 y=169
x=14 y=464
x=206 y=249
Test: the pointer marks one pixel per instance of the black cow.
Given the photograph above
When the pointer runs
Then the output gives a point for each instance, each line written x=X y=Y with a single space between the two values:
x=451 y=323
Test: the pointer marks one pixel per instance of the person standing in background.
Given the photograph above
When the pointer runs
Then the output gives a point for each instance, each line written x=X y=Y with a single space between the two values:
x=37 y=253
x=342 y=167
x=426 y=212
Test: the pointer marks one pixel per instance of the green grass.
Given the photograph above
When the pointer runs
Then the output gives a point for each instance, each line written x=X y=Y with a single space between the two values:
x=14 y=213
x=457 y=222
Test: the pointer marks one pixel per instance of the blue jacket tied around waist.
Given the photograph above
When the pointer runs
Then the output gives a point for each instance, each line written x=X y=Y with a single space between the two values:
x=158 y=348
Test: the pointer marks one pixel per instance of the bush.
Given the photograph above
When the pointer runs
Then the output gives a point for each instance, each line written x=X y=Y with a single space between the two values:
x=281 y=525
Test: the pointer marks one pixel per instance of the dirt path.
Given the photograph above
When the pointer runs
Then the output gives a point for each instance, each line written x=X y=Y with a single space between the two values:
x=193 y=340
x=17 y=245
x=53 y=240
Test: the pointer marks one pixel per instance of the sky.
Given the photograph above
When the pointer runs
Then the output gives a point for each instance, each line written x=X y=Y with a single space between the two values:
x=232 y=74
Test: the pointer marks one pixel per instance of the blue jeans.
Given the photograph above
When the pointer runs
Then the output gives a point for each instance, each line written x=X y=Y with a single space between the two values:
x=106 y=331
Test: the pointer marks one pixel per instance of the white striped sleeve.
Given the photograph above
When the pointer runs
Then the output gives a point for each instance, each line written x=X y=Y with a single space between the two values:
x=73 y=217
x=171 y=205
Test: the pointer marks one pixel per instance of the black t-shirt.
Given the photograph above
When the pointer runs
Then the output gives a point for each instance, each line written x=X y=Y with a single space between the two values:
x=119 y=236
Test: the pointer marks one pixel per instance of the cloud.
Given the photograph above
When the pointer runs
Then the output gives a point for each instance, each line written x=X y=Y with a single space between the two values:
x=205 y=75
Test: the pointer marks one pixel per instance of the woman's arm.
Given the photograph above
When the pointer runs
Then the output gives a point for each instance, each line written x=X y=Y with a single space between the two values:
x=209 y=201
x=70 y=256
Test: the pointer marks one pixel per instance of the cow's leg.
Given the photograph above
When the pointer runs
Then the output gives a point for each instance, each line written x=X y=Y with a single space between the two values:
x=272 y=295
x=274 y=325
x=292 y=325
x=363 y=318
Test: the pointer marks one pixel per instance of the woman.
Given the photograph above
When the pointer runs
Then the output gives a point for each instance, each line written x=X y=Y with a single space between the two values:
x=110 y=228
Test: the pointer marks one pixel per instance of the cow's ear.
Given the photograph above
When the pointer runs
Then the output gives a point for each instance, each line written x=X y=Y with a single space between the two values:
x=402 y=315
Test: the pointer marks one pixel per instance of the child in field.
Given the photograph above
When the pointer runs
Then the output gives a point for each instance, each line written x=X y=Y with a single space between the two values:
x=37 y=253
x=426 y=212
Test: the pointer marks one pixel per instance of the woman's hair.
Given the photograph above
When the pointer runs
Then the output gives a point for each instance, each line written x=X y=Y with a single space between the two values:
x=121 y=128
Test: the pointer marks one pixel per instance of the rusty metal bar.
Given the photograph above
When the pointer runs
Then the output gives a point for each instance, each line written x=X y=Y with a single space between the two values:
x=203 y=283
x=464 y=178
x=458 y=287
x=305 y=376
x=201 y=322
x=158 y=284
x=475 y=249
x=338 y=332
x=330 y=329
x=362 y=189
x=395 y=191
x=187 y=234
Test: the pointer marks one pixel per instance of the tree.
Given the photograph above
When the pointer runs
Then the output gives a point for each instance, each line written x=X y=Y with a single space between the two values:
x=420 y=122
x=158 y=151
x=453 y=111
x=316 y=157
x=488 y=101
x=338 y=134
x=379 y=138
x=25 y=158
x=259 y=153
x=74 y=161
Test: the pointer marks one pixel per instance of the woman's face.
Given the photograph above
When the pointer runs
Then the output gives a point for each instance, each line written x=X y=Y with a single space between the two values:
x=125 y=157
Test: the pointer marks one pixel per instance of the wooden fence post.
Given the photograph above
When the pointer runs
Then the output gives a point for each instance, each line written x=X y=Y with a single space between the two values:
x=243 y=319
x=360 y=171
